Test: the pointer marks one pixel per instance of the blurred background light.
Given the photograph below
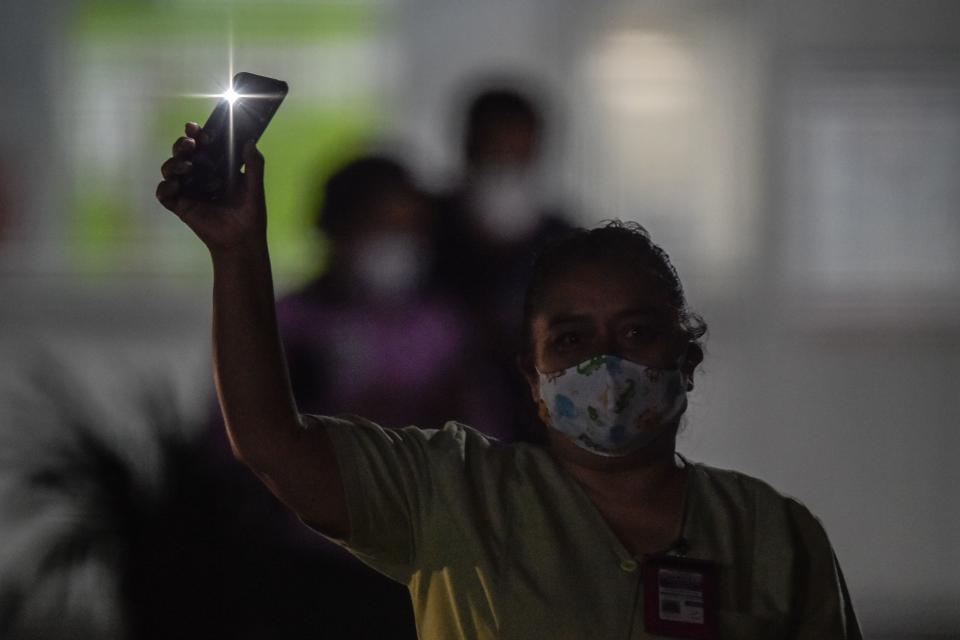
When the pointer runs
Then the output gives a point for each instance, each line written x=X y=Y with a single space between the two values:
x=641 y=71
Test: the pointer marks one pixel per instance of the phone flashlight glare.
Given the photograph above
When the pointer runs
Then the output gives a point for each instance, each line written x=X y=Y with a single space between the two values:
x=230 y=95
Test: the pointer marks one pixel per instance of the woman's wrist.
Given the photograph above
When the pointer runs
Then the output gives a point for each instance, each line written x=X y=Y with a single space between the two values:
x=245 y=252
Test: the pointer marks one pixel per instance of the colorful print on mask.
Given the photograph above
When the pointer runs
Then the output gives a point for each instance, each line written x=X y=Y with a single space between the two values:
x=611 y=406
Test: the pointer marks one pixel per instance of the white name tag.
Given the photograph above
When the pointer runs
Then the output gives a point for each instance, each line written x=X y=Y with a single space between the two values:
x=679 y=597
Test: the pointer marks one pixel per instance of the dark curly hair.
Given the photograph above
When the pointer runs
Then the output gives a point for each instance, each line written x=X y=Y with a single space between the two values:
x=625 y=243
x=354 y=187
x=495 y=108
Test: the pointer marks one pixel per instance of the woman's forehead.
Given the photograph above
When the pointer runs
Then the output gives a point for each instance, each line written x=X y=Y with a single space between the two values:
x=596 y=287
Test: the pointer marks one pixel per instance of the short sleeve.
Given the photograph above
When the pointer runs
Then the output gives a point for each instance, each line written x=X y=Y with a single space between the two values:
x=387 y=477
x=824 y=606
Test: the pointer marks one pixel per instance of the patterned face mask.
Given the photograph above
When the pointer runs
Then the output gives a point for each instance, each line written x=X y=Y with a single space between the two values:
x=611 y=406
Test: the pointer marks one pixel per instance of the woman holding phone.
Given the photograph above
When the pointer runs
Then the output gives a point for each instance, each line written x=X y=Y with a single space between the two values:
x=604 y=532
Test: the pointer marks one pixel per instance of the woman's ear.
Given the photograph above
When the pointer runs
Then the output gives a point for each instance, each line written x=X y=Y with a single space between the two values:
x=529 y=371
x=690 y=361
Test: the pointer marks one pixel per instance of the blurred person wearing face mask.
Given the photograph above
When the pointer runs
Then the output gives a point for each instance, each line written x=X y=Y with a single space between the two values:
x=493 y=221
x=372 y=333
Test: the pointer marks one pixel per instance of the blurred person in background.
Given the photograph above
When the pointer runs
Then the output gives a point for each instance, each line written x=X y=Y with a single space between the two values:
x=493 y=221
x=373 y=334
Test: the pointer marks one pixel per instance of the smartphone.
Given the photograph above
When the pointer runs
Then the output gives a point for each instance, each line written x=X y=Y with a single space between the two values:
x=218 y=160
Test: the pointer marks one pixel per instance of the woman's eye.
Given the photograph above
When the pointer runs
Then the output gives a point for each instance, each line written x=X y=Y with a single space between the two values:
x=566 y=340
x=638 y=333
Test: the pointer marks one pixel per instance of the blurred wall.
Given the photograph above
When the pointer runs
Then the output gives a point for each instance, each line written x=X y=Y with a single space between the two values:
x=796 y=159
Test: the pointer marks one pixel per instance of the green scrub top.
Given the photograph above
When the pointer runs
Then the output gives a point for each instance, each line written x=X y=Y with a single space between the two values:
x=498 y=541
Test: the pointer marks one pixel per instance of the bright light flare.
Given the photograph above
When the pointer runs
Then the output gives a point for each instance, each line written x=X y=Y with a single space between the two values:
x=230 y=95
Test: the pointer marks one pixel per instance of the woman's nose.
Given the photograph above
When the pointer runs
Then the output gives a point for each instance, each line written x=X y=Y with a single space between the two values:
x=607 y=344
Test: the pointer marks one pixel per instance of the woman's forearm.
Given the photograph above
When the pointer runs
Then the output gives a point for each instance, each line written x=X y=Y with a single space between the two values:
x=251 y=376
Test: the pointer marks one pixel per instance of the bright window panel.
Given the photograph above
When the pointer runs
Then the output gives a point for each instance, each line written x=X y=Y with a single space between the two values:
x=872 y=196
x=134 y=66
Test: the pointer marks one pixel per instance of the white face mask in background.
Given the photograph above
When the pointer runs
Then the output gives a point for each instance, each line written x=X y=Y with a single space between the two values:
x=507 y=202
x=391 y=265
x=611 y=406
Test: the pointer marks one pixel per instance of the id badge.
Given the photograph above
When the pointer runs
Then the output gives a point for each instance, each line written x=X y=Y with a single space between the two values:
x=679 y=597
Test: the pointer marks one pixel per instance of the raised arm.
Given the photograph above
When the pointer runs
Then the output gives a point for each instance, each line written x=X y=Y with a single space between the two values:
x=293 y=457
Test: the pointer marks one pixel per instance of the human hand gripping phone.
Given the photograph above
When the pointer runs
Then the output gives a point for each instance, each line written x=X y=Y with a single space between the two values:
x=241 y=116
x=201 y=181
